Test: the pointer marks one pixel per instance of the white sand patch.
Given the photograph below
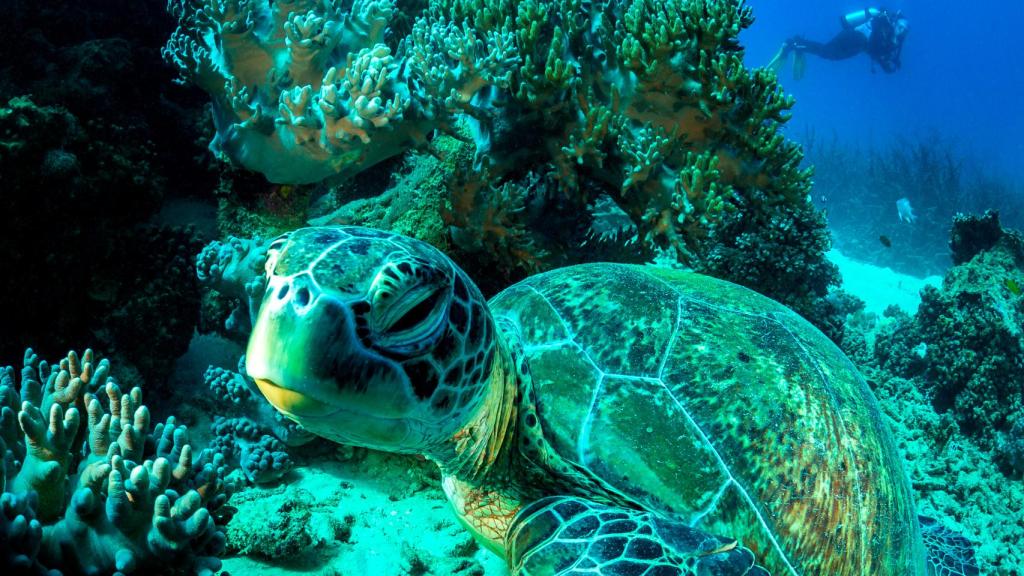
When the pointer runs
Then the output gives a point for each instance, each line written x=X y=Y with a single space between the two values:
x=879 y=286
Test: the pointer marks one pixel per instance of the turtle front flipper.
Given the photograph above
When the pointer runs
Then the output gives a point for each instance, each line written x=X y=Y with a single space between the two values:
x=949 y=553
x=565 y=535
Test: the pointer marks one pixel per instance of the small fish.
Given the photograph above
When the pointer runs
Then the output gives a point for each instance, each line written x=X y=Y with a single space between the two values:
x=1012 y=286
x=905 y=211
x=885 y=241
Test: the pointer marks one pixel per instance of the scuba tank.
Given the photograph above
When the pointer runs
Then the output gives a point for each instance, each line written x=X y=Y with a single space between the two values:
x=859 y=17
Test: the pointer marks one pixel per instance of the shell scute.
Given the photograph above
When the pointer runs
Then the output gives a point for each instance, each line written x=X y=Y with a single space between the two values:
x=305 y=246
x=539 y=324
x=565 y=407
x=637 y=439
x=623 y=325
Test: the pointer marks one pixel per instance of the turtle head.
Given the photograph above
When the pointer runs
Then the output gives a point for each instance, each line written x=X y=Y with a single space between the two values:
x=370 y=338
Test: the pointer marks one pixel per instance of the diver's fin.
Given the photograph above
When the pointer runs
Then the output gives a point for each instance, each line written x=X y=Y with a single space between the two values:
x=949 y=554
x=779 y=60
x=799 y=64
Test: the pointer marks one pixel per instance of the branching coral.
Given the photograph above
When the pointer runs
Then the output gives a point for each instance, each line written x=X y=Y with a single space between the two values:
x=565 y=103
x=105 y=494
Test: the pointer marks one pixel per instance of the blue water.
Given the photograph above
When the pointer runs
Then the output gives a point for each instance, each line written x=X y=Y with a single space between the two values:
x=962 y=76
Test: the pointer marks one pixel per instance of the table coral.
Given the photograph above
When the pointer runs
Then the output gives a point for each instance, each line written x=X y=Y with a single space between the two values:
x=89 y=488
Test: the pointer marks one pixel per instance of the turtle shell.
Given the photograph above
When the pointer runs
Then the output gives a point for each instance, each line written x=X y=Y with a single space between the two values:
x=703 y=399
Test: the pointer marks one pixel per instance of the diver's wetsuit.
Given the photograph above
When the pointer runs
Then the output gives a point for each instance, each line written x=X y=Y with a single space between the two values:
x=846 y=44
x=880 y=36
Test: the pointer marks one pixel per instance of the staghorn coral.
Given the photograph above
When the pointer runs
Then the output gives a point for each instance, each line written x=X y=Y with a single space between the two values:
x=102 y=492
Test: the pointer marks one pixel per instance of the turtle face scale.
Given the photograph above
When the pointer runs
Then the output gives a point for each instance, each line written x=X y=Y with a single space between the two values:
x=370 y=338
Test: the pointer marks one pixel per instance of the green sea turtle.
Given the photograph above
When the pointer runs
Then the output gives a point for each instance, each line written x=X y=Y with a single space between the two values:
x=598 y=419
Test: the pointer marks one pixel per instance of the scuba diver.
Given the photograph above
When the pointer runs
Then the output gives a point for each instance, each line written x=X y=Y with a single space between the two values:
x=876 y=31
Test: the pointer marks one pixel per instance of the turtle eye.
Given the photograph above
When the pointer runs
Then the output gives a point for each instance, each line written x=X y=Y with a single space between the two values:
x=273 y=252
x=406 y=309
x=418 y=314
x=410 y=325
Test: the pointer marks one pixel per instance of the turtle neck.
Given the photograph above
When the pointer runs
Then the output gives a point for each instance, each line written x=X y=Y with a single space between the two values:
x=483 y=448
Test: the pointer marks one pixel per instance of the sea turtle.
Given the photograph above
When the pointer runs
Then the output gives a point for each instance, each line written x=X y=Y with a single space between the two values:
x=597 y=419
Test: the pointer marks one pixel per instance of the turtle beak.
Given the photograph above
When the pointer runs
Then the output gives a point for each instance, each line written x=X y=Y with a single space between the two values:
x=297 y=341
x=291 y=403
x=307 y=360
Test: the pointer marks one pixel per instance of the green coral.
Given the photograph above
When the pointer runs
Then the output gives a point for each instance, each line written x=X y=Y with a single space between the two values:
x=644 y=97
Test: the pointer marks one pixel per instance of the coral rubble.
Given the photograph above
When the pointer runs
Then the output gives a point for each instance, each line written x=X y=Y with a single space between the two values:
x=89 y=488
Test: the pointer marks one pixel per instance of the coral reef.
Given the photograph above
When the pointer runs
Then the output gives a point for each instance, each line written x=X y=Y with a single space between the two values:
x=949 y=380
x=151 y=313
x=85 y=102
x=103 y=492
x=969 y=336
x=647 y=106
x=782 y=258
x=93 y=232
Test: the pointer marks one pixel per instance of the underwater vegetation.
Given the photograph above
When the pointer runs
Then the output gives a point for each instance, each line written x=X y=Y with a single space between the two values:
x=90 y=488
